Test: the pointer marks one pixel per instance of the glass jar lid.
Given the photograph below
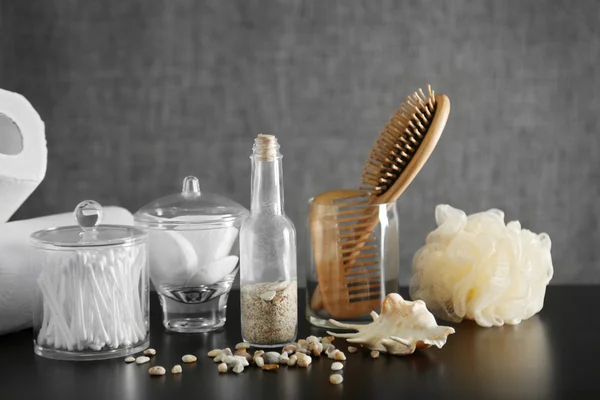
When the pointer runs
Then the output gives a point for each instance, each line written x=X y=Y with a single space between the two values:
x=191 y=209
x=88 y=232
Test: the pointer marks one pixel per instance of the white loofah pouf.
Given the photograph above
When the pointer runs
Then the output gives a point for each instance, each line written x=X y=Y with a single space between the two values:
x=477 y=267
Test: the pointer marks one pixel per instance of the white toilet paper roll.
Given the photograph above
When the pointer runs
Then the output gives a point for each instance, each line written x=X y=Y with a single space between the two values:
x=17 y=278
x=22 y=159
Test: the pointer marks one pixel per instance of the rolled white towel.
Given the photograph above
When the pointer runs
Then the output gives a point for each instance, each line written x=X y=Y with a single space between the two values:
x=17 y=278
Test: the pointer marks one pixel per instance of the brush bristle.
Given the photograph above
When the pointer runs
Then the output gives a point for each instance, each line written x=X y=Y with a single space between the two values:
x=398 y=142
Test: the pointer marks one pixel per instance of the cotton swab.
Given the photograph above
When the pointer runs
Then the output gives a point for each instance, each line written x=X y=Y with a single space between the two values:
x=92 y=299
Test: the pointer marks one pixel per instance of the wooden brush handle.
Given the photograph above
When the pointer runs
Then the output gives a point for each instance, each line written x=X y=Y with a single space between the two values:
x=412 y=169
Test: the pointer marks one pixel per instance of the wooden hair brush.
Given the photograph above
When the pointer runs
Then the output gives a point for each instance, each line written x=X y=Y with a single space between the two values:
x=399 y=153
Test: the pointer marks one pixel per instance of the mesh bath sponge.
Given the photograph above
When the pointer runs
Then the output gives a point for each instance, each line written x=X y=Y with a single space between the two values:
x=477 y=267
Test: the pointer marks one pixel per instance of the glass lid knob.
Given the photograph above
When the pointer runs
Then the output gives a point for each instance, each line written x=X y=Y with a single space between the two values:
x=88 y=214
x=191 y=186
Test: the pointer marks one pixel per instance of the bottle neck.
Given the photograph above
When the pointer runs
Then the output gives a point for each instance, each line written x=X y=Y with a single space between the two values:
x=267 y=186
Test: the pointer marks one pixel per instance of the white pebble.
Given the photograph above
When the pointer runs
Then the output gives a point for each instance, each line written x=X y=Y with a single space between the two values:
x=142 y=360
x=304 y=361
x=374 y=354
x=157 y=370
x=258 y=353
x=312 y=339
x=292 y=360
x=227 y=352
x=219 y=357
x=228 y=360
x=283 y=358
x=271 y=357
x=336 y=379
x=352 y=349
x=149 y=352
x=336 y=366
x=130 y=359
x=330 y=350
x=176 y=369
x=214 y=353
x=268 y=296
x=222 y=368
x=188 y=358
x=240 y=360
x=237 y=368
x=259 y=361
x=337 y=355
x=316 y=348
x=242 y=345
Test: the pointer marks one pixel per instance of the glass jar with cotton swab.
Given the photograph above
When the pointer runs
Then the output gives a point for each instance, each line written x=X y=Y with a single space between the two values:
x=91 y=299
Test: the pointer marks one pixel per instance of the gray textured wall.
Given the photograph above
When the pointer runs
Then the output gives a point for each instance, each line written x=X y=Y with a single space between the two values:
x=138 y=94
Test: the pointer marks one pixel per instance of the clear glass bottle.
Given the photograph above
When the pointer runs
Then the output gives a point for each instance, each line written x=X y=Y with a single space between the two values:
x=268 y=281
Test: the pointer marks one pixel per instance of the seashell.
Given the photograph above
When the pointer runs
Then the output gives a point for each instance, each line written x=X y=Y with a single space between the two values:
x=403 y=327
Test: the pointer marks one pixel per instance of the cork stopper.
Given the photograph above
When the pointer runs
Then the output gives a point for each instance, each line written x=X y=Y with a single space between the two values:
x=266 y=148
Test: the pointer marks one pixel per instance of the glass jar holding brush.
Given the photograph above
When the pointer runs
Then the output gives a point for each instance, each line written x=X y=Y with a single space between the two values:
x=268 y=282
x=354 y=257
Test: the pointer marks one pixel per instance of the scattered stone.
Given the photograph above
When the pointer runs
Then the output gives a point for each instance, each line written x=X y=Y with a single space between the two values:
x=242 y=345
x=315 y=348
x=242 y=353
x=227 y=352
x=142 y=360
x=219 y=357
x=326 y=346
x=222 y=368
x=312 y=339
x=237 y=368
x=259 y=361
x=283 y=358
x=157 y=370
x=352 y=349
x=337 y=355
x=302 y=343
x=292 y=360
x=302 y=350
x=176 y=369
x=214 y=353
x=228 y=359
x=336 y=379
x=328 y=339
x=374 y=354
x=129 y=359
x=271 y=357
x=330 y=350
x=149 y=352
x=336 y=366
x=305 y=362
x=258 y=353
x=270 y=367
x=289 y=349
x=189 y=358
x=241 y=360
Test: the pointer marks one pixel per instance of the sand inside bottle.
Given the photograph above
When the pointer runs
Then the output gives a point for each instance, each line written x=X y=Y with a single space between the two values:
x=270 y=313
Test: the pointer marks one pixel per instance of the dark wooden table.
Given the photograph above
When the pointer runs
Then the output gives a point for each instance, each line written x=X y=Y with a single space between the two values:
x=553 y=355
